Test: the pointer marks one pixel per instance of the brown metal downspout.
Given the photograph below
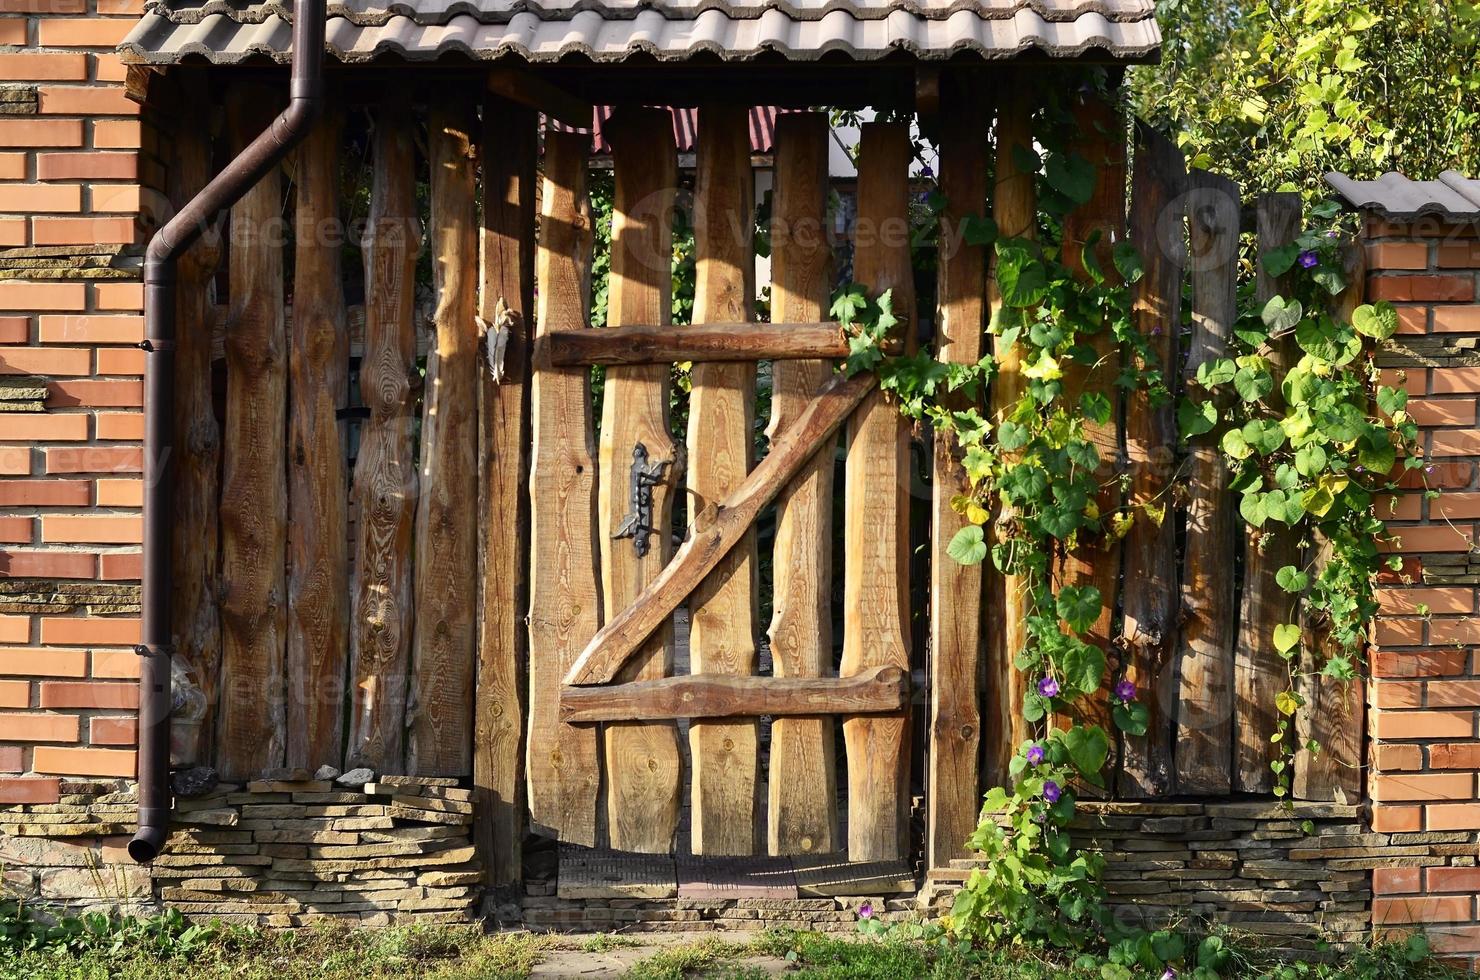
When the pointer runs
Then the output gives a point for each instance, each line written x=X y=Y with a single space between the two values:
x=160 y=261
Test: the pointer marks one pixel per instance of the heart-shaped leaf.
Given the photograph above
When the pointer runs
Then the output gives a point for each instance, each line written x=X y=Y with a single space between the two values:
x=1286 y=637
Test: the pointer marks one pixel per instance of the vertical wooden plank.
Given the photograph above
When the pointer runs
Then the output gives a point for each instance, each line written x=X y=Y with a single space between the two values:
x=254 y=495
x=564 y=595
x=1333 y=712
x=197 y=613
x=721 y=441
x=1100 y=137
x=318 y=541
x=643 y=767
x=1203 y=753
x=876 y=532
x=506 y=307
x=385 y=478
x=802 y=783
x=953 y=790
x=1015 y=210
x=440 y=722
x=1259 y=673
x=1150 y=603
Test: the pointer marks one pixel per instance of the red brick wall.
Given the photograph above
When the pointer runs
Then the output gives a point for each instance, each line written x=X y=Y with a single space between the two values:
x=1426 y=677
x=72 y=152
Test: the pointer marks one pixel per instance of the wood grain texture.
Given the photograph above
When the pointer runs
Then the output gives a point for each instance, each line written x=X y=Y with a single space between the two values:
x=1015 y=210
x=721 y=442
x=711 y=341
x=506 y=303
x=1150 y=596
x=252 y=728
x=876 y=527
x=1100 y=137
x=953 y=778
x=879 y=689
x=440 y=716
x=623 y=637
x=196 y=611
x=802 y=782
x=563 y=764
x=1204 y=750
x=318 y=504
x=385 y=479
x=1259 y=672
x=643 y=767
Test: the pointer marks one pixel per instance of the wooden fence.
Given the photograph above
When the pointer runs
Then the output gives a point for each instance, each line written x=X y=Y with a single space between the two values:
x=478 y=578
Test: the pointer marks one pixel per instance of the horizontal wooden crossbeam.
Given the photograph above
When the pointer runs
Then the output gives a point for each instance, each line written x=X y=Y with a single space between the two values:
x=625 y=632
x=537 y=93
x=700 y=342
x=877 y=691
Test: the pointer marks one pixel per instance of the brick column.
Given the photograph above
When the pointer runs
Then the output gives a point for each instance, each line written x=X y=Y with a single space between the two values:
x=72 y=151
x=1426 y=678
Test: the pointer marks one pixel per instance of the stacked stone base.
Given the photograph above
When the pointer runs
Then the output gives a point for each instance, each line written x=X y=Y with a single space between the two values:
x=268 y=854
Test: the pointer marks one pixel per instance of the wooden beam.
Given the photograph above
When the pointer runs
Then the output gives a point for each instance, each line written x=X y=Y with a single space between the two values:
x=1204 y=750
x=953 y=794
x=252 y=725
x=563 y=762
x=700 y=343
x=318 y=504
x=538 y=93
x=624 y=634
x=440 y=723
x=802 y=783
x=875 y=691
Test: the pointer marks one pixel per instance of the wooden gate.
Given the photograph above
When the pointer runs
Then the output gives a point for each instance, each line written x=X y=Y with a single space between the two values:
x=605 y=765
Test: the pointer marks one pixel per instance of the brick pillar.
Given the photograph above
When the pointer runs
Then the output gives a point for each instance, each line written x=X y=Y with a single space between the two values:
x=1426 y=676
x=72 y=149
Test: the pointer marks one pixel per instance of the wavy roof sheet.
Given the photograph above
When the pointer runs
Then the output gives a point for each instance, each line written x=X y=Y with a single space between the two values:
x=1452 y=197
x=231 y=31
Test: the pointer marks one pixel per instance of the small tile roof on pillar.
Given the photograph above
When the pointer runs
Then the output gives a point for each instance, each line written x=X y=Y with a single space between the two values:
x=232 y=31
x=1394 y=197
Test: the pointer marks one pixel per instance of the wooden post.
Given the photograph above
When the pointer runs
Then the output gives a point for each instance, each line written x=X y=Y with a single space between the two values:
x=1205 y=697
x=1150 y=596
x=254 y=496
x=197 y=613
x=564 y=596
x=1100 y=137
x=318 y=537
x=953 y=792
x=506 y=307
x=721 y=444
x=643 y=767
x=1259 y=673
x=385 y=472
x=876 y=542
x=1015 y=210
x=802 y=783
x=440 y=741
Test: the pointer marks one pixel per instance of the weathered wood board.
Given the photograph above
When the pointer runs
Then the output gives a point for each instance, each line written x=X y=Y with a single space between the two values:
x=1204 y=749
x=440 y=713
x=252 y=725
x=802 y=782
x=318 y=535
x=701 y=342
x=878 y=689
x=510 y=149
x=876 y=530
x=956 y=638
x=385 y=478
x=1150 y=594
x=564 y=767
x=643 y=767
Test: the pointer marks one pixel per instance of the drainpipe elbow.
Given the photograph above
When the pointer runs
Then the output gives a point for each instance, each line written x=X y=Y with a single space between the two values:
x=153 y=828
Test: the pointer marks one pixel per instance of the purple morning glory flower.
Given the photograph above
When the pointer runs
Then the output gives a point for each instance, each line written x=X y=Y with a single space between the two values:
x=1048 y=687
x=1126 y=690
x=1309 y=259
x=866 y=911
x=1051 y=791
x=1170 y=974
x=1035 y=755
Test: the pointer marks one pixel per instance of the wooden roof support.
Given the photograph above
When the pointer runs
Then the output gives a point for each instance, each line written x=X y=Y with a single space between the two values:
x=537 y=93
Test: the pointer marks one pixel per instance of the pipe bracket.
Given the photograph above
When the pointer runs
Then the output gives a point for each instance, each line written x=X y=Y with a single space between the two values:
x=154 y=649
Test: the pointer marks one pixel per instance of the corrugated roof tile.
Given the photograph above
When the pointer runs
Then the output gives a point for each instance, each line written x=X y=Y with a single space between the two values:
x=1393 y=196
